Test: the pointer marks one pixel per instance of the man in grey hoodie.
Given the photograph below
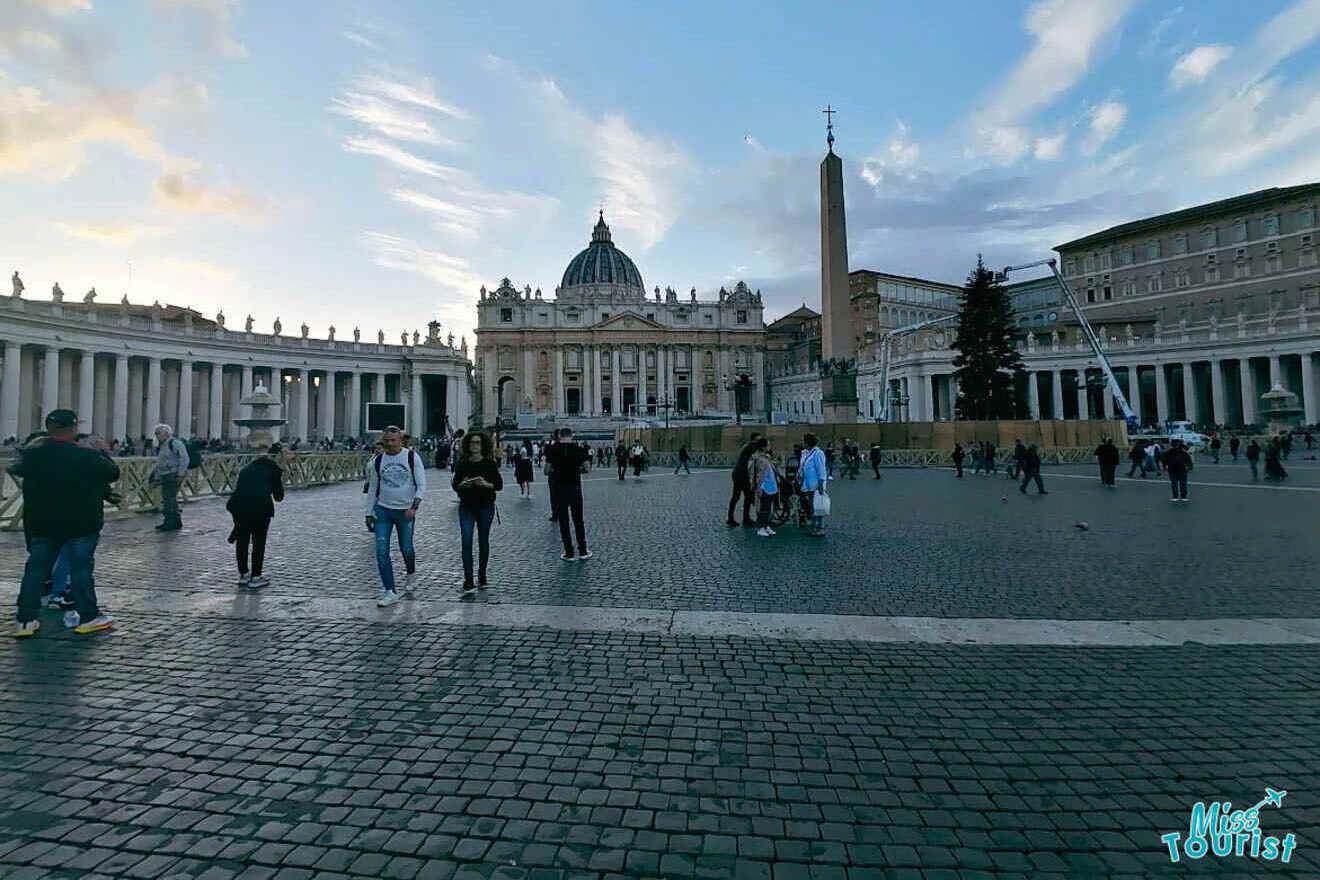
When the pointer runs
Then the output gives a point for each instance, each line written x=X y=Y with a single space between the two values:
x=171 y=466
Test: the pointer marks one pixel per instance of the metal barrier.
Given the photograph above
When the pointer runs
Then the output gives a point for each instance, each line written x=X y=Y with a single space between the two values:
x=904 y=458
x=216 y=476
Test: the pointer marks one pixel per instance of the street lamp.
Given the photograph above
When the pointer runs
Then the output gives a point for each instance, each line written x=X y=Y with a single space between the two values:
x=898 y=400
x=742 y=381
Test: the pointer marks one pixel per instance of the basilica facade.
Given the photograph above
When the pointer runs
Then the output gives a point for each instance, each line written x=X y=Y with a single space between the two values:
x=602 y=348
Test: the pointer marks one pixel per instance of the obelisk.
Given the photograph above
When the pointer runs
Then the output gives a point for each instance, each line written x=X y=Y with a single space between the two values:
x=838 y=368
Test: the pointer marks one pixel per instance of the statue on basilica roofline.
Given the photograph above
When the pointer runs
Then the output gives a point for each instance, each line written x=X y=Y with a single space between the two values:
x=123 y=301
x=357 y=334
x=90 y=296
x=247 y=325
x=305 y=330
x=57 y=293
x=331 y=336
x=220 y=318
x=278 y=326
x=450 y=341
x=416 y=337
x=17 y=285
x=380 y=337
x=693 y=295
x=403 y=337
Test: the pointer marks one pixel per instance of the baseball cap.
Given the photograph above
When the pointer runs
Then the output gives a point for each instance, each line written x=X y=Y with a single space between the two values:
x=61 y=418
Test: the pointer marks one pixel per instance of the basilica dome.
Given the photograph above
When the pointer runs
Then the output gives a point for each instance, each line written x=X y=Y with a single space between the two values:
x=602 y=263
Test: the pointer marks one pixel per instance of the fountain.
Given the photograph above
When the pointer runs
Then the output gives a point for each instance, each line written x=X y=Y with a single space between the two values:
x=261 y=419
x=1279 y=410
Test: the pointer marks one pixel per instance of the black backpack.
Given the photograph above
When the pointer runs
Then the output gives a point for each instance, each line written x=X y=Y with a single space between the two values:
x=194 y=455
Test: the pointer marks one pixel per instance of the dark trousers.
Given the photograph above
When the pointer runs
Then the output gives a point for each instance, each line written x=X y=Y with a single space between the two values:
x=250 y=530
x=875 y=466
x=42 y=553
x=744 y=490
x=1107 y=473
x=568 y=502
x=623 y=467
x=169 y=498
x=1138 y=466
x=1178 y=483
x=479 y=518
x=767 y=506
x=684 y=465
x=1027 y=477
x=958 y=464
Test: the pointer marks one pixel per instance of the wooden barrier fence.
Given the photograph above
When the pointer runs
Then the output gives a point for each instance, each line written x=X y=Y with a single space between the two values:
x=216 y=476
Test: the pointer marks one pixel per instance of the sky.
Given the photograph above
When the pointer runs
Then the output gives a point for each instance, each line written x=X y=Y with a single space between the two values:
x=372 y=164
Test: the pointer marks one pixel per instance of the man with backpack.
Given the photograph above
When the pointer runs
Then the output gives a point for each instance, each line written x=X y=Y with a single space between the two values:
x=171 y=467
x=396 y=482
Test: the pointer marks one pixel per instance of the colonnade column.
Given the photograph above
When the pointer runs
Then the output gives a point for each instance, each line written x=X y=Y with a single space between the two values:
x=304 y=377
x=214 y=428
x=9 y=391
x=1134 y=391
x=1191 y=411
x=1107 y=401
x=1248 y=383
x=1276 y=372
x=86 y=391
x=329 y=403
x=1161 y=394
x=1310 y=405
x=354 y=421
x=1033 y=396
x=153 y=395
x=1083 y=403
x=1056 y=394
x=415 y=419
x=184 y=428
x=641 y=379
x=50 y=383
x=119 y=409
x=1217 y=397
x=245 y=388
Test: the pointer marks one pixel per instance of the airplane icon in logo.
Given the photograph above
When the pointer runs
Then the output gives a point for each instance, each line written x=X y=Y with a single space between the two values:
x=1272 y=796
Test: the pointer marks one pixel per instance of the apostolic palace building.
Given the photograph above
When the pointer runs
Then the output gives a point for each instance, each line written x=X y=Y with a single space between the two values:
x=1201 y=311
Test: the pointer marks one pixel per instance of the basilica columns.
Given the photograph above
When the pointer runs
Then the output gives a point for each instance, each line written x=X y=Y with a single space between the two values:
x=50 y=382
x=119 y=414
x=1191 y=411
x=328 y=404
x=1056 y=394
x=215 y=425
x=9 y=391
x=354 y=422
x=300 y=408
x=1083 y=401
x=1218 y=400
x=557 y=382
x=1033 y=396
x=616 y=383
x=152 y=415
x=184 y=426
x=1134 y=391
x=1310 y=405
x=1161 y=394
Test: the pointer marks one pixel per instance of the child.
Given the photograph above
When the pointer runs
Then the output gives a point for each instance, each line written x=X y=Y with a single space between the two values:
x=522 y=472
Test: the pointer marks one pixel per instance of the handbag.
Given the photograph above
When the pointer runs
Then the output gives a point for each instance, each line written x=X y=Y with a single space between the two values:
x=820 y=503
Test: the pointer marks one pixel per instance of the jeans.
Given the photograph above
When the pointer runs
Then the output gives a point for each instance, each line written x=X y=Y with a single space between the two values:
x=388 y=518
x=1178 y=483
x=1027 y=477
x=568 y=500
x=42 y=553
x=763 y=512
x=59 y=575
x=169 y=496
x=623 y=466
x=741 y=489
x=481 y=518
x=1254 y=464
x=250 y=530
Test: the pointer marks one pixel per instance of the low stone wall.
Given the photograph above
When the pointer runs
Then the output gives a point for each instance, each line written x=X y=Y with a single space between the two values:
x=216 y=476
x=892 y=437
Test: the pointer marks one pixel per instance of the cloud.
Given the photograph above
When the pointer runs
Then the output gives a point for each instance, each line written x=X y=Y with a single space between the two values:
x=383 y=149
x=1107 y=120
x=403 y=255
x=194 y=269
x=752 y=142
x=112 y=233
x=177 y=192
x=215 y=22
x=1066 y=37
x=898 y=156
x=49 y=138
x=388 y=118
x=361 y=39
x=417 y=93
x=471 y=211
x=1197 y=64
x=1049 y=148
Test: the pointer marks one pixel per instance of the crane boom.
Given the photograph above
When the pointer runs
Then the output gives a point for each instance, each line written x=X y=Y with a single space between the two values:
x=886 y=346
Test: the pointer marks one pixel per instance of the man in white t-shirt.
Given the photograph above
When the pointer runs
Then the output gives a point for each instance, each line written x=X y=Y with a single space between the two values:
x=396 y=482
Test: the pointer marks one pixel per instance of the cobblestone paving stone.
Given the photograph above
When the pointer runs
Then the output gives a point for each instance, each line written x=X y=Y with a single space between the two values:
x=203 y=748
x=917 y=543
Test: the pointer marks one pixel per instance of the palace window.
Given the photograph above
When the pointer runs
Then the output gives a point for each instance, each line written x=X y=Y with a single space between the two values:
x=1242 y=268
x=680 y=317
x=1180 y=243
x=1307 y=258
x=1127 y=255
x=650 y=316
x=1154 y=283
x=543 y=317
x=573 y=359
x=1090 y=262
x=1306 y=218
x=1090 y=294
x=506 y=316
x=1182 y=278
x=1209 y=237
x=1153 y=250
x=741 y=317
x=1270 y=225
x=1070 y=267
x=1108 y=292
x=1129 y=288
x=708 y=360
x=650 y=360
x=1239 y=230
x=571 y=317
x=709 y=319
x=682 y=358
x=1105 y=260
x=1274 y=263
x=604 y=316
x=1211 y=274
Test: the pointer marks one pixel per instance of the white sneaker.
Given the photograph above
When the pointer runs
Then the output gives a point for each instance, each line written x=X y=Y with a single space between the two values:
x=387 y=598
x=409 y=582
x=771 y=531
x=764 y=532
x=27 y=628
x=70 y=619
x=258 y=582
x=244 y=579
x=584 y=556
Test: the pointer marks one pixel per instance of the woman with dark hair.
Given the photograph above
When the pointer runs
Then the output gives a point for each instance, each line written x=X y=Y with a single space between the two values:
x=260 y=482
x=476 y=480
x=813 y=474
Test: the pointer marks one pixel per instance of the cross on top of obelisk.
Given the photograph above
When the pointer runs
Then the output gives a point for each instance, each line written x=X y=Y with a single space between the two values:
x=829 y=112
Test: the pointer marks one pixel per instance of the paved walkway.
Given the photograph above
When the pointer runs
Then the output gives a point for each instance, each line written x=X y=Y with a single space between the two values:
x=957 y=682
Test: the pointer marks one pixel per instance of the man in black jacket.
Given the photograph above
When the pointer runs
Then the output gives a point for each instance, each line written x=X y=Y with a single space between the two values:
x=1031 y=470
x=1107 y=456
x=742 y=485
x=566 y=460
x=64 y=489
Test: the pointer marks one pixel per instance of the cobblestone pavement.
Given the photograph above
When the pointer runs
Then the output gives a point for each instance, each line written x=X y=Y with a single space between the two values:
x=217 y=749
x=917 y=542
x=190 y=745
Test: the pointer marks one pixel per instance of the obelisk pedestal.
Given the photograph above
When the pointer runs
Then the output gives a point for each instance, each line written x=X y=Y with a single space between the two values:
x=839 y=369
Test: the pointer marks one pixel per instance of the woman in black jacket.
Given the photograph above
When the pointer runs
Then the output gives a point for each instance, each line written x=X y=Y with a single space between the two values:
x=251 y=506
x=476 y=480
